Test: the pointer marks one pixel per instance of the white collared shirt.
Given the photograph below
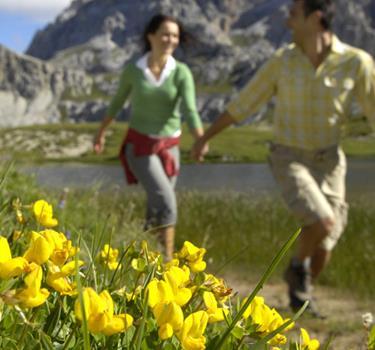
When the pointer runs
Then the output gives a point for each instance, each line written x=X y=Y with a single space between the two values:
x=169 y=66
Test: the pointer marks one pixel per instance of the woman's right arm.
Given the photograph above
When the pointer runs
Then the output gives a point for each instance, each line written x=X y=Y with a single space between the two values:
x=114 y=108
x=99 y=140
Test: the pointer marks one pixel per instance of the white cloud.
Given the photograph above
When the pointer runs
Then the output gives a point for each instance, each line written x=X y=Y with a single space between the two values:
x=39 y=10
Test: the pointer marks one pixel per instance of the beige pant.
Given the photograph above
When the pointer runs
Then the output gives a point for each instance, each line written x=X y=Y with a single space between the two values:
x=313 y=185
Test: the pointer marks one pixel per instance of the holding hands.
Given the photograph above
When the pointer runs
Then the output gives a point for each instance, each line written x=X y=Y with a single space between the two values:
x=199 y=149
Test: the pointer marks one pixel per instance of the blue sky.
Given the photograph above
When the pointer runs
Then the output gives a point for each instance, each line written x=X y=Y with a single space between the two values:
x=20 y=19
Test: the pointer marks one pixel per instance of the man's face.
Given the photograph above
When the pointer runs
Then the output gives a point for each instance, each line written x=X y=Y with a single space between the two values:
x=300 y=24
x=296 y=19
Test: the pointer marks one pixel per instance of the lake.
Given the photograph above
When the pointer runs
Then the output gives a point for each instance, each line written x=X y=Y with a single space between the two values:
x=252 y=178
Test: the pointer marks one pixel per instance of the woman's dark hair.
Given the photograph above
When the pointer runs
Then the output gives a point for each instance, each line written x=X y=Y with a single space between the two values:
x=155 y=23
x=327 y=7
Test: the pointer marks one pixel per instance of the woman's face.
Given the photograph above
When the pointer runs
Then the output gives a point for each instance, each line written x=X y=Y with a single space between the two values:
x=165 y=39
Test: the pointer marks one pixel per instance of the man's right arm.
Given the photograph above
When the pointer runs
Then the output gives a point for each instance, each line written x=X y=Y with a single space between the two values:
x=257 y=92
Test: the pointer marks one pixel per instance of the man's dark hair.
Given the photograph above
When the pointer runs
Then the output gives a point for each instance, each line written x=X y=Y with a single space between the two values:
x=327 y=7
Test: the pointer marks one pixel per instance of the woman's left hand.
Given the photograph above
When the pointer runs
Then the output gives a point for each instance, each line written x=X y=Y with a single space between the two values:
x=199 y=150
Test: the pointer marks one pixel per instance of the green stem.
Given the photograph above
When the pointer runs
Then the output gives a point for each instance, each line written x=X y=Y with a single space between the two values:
x=23 y=333
x=66 y=344
x=84 y=328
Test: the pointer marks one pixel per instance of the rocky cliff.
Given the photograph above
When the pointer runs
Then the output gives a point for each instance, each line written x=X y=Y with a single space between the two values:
x=94 y=38
x=31 y=89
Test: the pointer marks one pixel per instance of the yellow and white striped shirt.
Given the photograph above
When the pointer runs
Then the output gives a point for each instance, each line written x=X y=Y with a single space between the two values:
x=311 y=104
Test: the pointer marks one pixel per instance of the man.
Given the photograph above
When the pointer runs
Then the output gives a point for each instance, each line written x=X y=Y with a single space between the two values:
x=313 y=81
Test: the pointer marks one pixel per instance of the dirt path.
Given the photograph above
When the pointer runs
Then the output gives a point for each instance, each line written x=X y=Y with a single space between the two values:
x=344 y=313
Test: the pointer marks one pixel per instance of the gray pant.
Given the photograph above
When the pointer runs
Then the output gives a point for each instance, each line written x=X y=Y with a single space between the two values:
x=161 y=197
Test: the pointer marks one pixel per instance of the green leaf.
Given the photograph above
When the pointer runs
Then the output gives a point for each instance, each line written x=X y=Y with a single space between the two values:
x=371 y=341
x=238 y=332
x=169 y=346
x=139 y=264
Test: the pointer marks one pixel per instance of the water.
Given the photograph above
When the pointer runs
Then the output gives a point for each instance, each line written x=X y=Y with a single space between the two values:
x=254 y=178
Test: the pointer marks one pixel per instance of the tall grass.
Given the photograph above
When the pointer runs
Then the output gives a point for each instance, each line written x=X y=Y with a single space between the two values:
x=241 y=232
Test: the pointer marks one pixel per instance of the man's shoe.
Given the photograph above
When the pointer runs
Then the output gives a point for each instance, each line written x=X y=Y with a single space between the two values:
x=300 y=288
x=298 y=278
x=311 y=309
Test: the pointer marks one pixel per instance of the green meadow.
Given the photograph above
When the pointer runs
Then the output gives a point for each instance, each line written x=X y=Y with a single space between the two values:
x=241 y=233
x=257 y=227
x=237 y=144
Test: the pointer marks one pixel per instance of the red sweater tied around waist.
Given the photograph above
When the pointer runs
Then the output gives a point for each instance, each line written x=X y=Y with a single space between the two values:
x=144 y=145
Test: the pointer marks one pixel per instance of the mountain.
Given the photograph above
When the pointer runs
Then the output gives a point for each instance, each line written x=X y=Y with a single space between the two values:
x=230 y=40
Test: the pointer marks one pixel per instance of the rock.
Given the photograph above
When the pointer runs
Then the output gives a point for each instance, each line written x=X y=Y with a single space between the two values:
x=30 y=89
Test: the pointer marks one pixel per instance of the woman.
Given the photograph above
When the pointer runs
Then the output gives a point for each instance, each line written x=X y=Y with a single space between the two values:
x=159 y=87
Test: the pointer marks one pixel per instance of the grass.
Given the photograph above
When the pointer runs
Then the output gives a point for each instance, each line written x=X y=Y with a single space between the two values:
x=242 y=144
x=240 y=233
x=247 y=232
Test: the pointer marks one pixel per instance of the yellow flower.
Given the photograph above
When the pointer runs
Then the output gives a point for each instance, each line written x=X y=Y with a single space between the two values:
x=94 y=308
x=57 y=277
x=169 y=318
x=215 y=314
x=10 y=267
x=19 y=217
x=108 y=256
x=191 y=334
x=256 y=302
x=49 y=244
x=307 y=343
x=265 y=320
x=159 y=292
x=119 y=323
x=177 y=278
x=43 y=213
x=167 y=312
x=39 y=250
x=99 y=313
x=193 y=255
x=115 y=323
x=169 y=264
x=32 y=295
x=17 y=206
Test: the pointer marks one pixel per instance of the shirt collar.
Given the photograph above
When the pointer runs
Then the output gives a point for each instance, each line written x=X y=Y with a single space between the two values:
x=170 y=65
x=337 y=46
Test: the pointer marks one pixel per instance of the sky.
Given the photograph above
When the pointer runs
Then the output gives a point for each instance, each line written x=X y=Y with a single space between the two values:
x=20 y=19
